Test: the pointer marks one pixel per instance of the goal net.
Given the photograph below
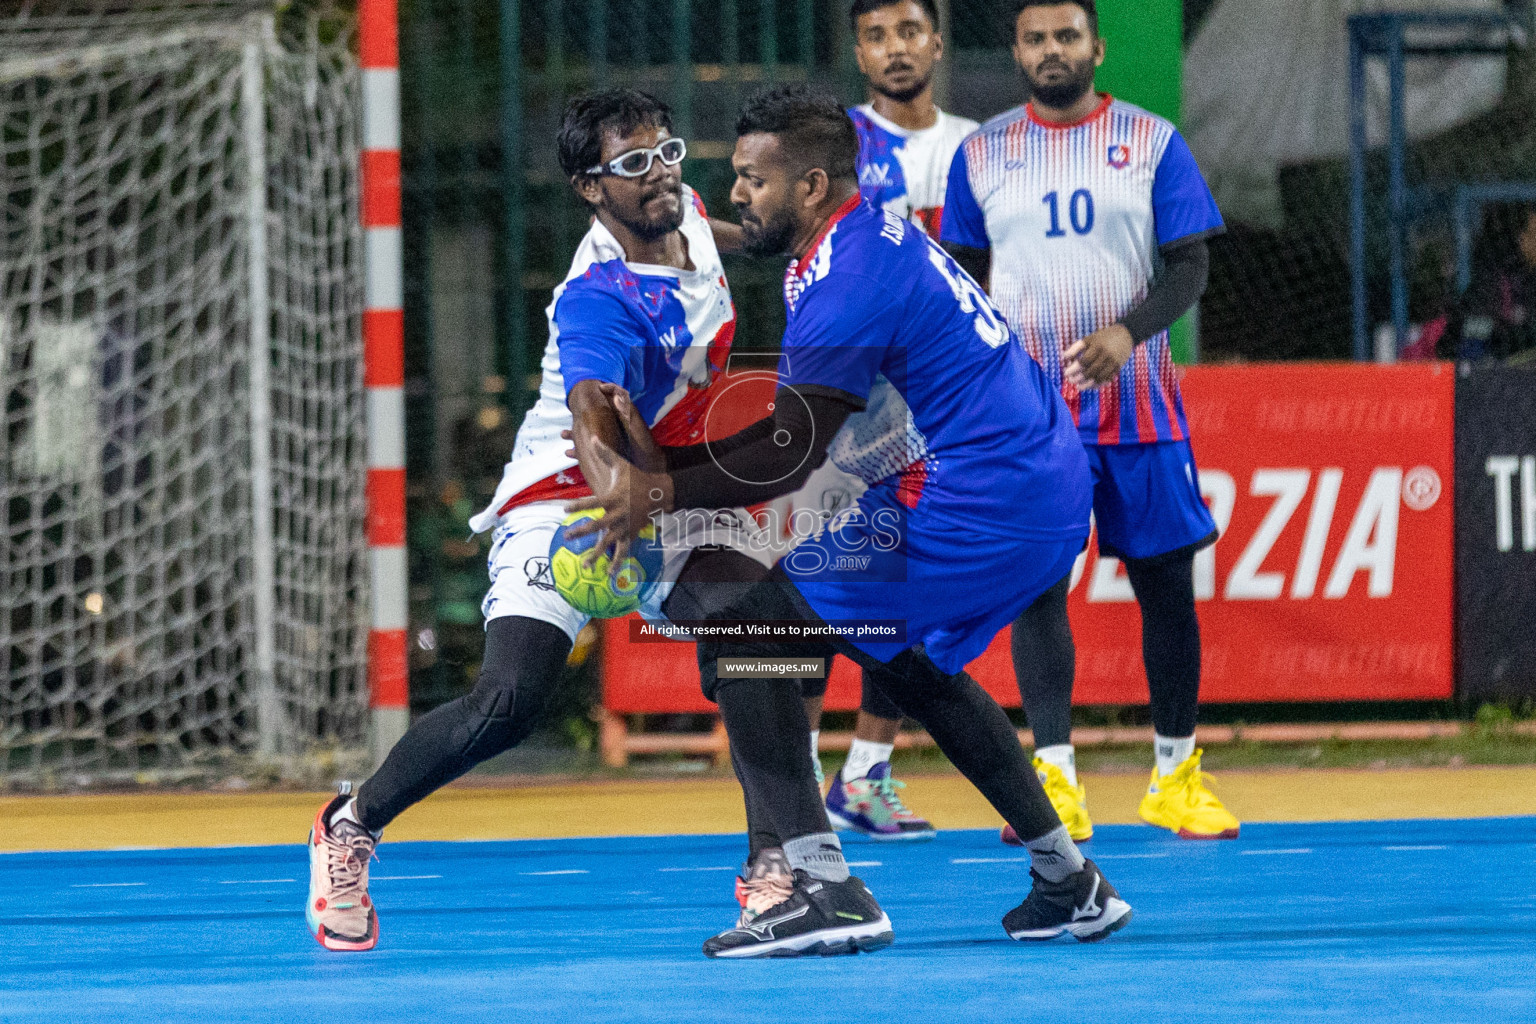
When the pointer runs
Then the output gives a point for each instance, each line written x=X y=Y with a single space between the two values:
x=182 y=549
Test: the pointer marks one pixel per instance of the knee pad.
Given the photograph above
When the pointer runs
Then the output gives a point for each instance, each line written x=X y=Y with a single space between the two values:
x=491 y=718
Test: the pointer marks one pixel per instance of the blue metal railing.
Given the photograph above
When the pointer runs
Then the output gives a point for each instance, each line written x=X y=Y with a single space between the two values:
x=1397 y=36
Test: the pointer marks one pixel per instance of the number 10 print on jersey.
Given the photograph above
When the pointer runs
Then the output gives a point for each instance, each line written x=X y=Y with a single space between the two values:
x=1080 y=208
x=1074 y=216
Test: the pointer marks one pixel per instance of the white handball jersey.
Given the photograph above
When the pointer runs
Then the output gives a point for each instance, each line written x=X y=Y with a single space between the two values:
x=1074 y=215
x=661 y=333
x=906 y=171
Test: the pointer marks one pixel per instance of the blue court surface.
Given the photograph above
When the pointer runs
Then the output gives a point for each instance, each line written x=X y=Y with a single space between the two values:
x=1373 y=921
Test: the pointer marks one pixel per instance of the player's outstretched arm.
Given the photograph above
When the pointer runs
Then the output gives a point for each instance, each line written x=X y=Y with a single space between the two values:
x=596 y=437
x=767 y=459
x=729 y=238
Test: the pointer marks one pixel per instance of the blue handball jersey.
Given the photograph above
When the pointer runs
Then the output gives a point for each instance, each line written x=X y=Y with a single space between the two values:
x=992 y=503
x=992 y=442
x=1074 y=215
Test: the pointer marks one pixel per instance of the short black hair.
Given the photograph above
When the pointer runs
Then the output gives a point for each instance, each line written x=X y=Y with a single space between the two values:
x=811 y=124
x=865 y=6
x=588 y=117
x=1020 y=6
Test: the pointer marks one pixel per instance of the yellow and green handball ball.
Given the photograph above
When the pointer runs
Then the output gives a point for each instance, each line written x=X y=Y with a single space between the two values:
x=592 y=590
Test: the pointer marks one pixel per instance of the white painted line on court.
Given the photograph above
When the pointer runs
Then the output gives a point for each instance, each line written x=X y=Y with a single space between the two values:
x=567 y=871
x=1102 y=856
x=866 y=864
x=726 y=867
x=106 y=885
x=257 y=881
x=1265 y=853
x=390 y=878
x=1413 y=847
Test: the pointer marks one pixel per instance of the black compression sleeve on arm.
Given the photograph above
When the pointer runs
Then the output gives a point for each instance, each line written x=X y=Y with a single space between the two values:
x=684 y=456
x=1185 y=270
x=778 y=459
x=976 y=262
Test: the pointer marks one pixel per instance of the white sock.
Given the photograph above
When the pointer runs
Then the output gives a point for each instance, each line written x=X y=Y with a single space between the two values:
x=1063 y=756
x=864 y=755
x=815 y=744
x=1054 y=855
x=1172 y=752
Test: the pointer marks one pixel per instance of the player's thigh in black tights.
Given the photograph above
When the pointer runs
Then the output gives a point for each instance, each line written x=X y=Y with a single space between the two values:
x=1044 y=663
x=1170 y=640
x=973 y=732
x=523 y=661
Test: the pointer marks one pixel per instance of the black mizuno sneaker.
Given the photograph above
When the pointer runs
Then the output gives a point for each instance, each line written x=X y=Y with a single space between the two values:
x=817 y=918
x=1084 y=904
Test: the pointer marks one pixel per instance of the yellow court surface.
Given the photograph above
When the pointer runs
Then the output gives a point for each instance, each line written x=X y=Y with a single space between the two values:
x=714 y=805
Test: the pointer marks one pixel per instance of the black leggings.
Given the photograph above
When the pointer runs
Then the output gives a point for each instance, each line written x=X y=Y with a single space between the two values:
x=1044 y=656
x=770 y=736
x=873 y=701
x=523 y=661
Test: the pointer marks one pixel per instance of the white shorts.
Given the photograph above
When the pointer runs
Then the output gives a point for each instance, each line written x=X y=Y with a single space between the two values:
x=521 y=583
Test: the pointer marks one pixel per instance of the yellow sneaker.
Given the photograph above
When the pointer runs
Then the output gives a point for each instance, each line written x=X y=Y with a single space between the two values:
x=1184 y=804
x=1071 y=802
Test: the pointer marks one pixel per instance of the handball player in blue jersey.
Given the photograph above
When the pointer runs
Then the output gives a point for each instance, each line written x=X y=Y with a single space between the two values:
x=989 y=512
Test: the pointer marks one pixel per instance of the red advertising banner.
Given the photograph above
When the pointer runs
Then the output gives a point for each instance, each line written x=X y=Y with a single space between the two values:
x=1332 y=579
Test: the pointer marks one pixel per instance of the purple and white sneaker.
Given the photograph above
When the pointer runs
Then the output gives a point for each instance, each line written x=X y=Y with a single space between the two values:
x=872 y=807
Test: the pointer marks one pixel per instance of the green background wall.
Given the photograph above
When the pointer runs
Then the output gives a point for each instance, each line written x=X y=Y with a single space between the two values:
x=1144 y=65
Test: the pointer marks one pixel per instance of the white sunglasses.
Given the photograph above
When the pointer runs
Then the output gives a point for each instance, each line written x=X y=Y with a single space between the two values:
x=637 y=162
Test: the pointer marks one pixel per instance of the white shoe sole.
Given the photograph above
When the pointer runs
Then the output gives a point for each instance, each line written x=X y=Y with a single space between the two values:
x=1116 y=915
x=842 y=824
x=857 y=938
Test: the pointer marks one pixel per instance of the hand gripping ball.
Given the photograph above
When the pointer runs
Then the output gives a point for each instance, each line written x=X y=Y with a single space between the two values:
x=591 y=590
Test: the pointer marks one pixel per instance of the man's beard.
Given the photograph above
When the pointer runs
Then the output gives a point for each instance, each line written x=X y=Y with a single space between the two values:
x=649 y=229
x=1065 y=92
x=772 y=237
x=908 y=94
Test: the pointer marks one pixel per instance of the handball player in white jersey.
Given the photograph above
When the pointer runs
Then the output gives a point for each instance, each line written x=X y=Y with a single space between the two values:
x=645 y=307
x=1088 y=218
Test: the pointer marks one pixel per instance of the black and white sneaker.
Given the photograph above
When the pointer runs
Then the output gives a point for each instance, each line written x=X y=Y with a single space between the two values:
x=817 y=918
x=1084 y=905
